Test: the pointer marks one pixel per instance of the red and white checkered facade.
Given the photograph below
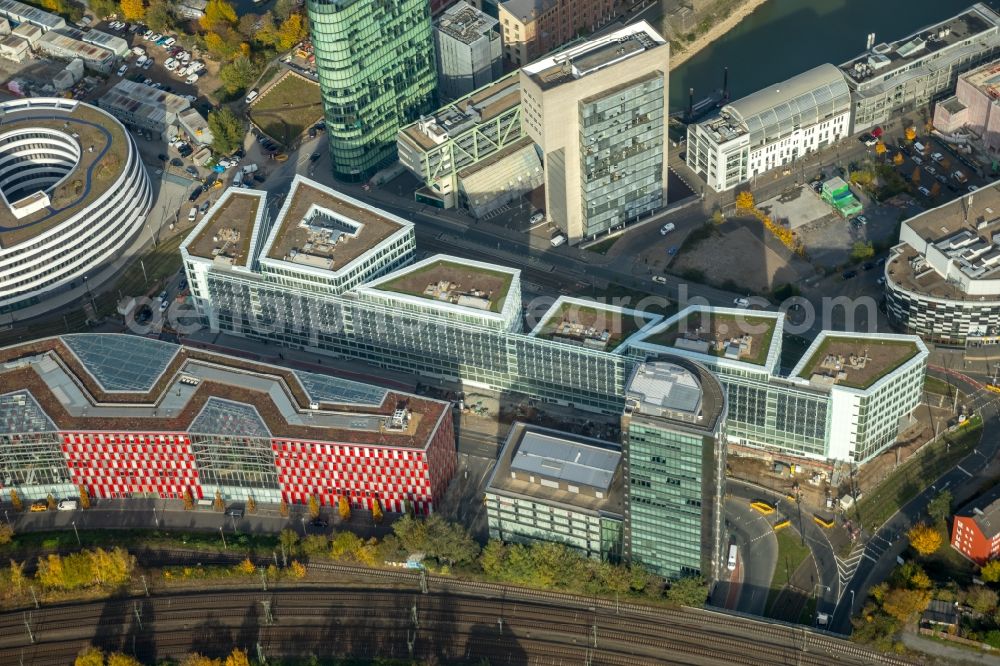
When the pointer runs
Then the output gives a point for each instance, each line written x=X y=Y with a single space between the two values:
x=115 y=464
x=362 y=473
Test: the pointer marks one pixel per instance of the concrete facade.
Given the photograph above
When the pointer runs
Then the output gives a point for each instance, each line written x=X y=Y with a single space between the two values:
x=467 y=44
x=598 y=111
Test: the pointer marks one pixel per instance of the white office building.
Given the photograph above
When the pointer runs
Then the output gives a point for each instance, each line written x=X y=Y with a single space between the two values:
x=73 y=194
x=771 y=128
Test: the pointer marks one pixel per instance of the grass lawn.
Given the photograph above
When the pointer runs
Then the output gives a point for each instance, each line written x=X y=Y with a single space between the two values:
x=884 y=357
x=288 y=108
x=603 y=246
x=917 y=473
x=939 y=387
x=791 y=553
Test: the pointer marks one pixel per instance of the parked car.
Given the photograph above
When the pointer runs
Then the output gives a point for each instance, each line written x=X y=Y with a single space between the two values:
x=252 y=95
x=193 y=214
x=557 y=240
x=191 y=80
x=672 y=251
x=867 y=266
x=973 y=188
x=917 y=160
x=170 y=41
x=122 y=70
x=937 y=157
x=39 y=506
x=195 y=193
x=667 y=228
x=68 y=505
x=924 y=191
x=847 y=275
x=318 y=522
x=741 y=302
x=148 y=63
x=537 y=217
x=931 y=170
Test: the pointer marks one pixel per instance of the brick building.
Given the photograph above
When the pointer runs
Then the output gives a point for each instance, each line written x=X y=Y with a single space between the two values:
x=977 y=533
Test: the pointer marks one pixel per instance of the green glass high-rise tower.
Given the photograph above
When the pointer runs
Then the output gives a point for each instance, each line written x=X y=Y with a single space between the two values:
x=375 y=61
x=675 y=462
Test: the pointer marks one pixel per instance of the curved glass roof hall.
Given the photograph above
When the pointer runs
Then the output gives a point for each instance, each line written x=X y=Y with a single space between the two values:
x=803 y=100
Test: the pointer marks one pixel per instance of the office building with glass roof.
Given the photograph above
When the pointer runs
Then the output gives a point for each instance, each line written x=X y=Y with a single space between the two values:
x=129 y=416
x=771 y=128
x=375 y=62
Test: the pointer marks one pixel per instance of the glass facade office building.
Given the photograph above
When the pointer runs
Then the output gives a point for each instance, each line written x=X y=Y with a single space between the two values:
x=375 y=61
x=675 y=452
x=622 y=134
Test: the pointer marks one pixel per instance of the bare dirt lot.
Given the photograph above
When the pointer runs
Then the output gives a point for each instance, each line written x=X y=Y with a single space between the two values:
x=740 y=254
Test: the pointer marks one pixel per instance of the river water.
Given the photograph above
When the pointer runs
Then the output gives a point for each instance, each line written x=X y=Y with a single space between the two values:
x=785 y=37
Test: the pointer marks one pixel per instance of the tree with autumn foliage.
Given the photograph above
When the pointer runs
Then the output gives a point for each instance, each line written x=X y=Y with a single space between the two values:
x=89 y=656
x=237 y=657
x=915 y=176
x=196 y=659
x=217 y=12
x=188 y=500
x=344 y=508
x=910 y=133
x=744 y=201
x=291 y=32
x=897 y=159
x=376 y=511
x=990 y=572
x=313 y=507
x=251 y=505
x=246 y=567
x=121 y=659
x=283 y=509
x=133 y=10
x=50 y=501
x=297 y=570
x=6 y=533
x=219 y=504
x=880 y=149
x=84 y=497
x=924 y=539
x=15 y=501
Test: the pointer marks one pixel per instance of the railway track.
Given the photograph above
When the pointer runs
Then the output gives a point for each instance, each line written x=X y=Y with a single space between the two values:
x=454 y=621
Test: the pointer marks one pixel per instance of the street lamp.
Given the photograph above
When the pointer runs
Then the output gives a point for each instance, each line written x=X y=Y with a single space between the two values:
x=76 y=533
x=222 y=534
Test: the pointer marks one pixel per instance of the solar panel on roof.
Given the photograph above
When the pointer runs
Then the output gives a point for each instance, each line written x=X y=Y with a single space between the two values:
x=324 y=388
x=225 y=417
x=122 y=362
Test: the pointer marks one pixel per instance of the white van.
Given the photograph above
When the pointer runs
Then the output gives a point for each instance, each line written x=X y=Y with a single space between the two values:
x=68 y=505
x=557 y=240
x=920 y=148
x=252 y=96
x=193 y=215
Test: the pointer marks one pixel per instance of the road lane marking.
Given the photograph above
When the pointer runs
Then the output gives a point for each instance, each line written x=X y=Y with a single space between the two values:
x=970 y=474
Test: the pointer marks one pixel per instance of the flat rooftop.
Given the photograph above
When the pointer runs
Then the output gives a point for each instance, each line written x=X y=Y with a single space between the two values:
x=564 y=461
x=742 y=337
x=225 y=232
x=450 y=281
x=593 y=55
x=901 y=54
x=465 y=23
x=854 y=361
x=454 y=119
x=590 y=324
x=101 y=166
x=965 y=233
x=677 y=390
x=138 y=100
x=319 y=228
x=124 y=383
x=986 y=79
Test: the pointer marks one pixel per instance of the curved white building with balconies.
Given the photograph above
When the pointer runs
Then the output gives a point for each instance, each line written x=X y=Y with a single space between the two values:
x=73 y=194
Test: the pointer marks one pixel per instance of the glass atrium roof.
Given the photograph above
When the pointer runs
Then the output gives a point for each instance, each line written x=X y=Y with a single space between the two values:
x=19 y=413
x=323 y=388
x=225 y=417
x=122 y=362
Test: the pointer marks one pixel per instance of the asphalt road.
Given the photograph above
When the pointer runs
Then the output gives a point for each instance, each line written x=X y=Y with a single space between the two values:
x=890 y=541
x=758 y=552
